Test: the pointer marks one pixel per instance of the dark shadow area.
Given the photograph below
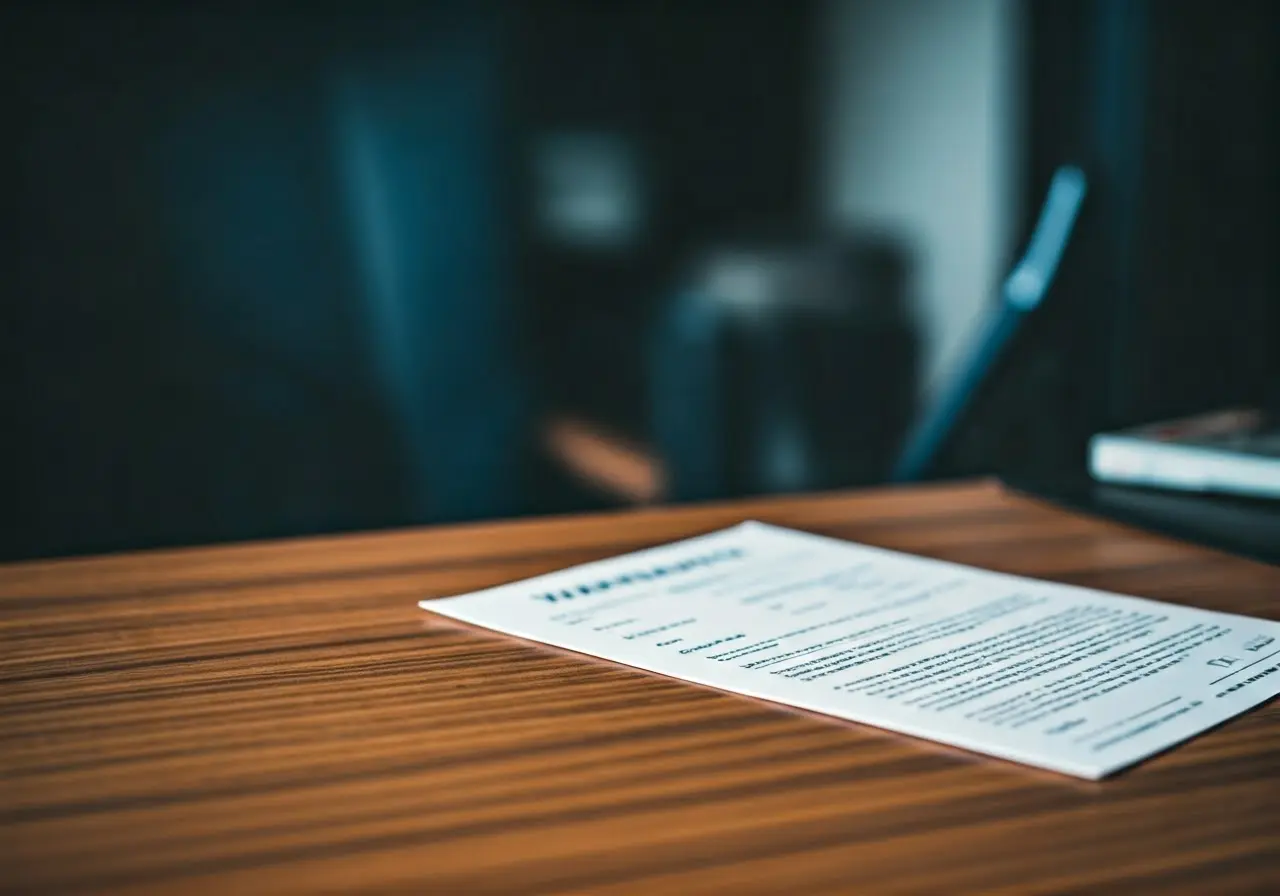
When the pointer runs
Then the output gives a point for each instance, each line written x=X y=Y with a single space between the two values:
x=276 y=269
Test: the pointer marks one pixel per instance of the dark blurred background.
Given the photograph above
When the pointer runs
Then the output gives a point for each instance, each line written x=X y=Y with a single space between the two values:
x=279 y=269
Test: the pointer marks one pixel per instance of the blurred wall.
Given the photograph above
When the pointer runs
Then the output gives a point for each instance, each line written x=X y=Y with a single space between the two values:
x=259 y=278
x=922 y=130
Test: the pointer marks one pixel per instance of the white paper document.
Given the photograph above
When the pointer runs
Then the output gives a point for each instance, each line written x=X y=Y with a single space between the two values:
x=1066 y=678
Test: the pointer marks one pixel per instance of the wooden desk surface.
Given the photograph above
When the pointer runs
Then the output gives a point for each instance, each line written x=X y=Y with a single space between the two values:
x=281 y=717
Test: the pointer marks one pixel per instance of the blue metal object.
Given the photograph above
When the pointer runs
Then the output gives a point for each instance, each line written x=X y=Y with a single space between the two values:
x=1023 y=290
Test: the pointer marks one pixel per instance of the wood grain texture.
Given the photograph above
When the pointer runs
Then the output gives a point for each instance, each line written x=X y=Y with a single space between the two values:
x=280 y=717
